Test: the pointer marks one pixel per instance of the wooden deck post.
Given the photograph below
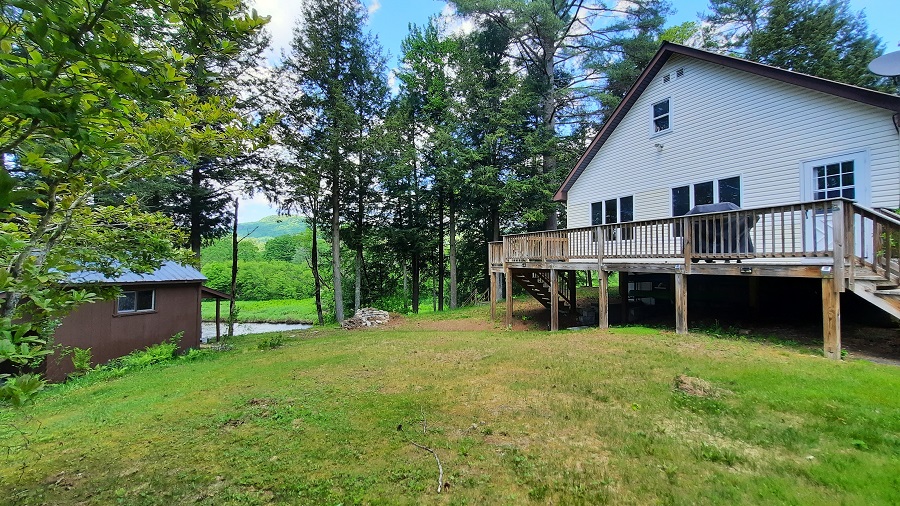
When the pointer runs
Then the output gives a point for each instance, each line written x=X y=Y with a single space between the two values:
x=218 y=319
x=572 y=280
x=831 y=317
x=839 y=241
x=493 y=294
x=509 y=298
x=603 y=299
x=554 y=299
x=623 y=294
x=681 y=321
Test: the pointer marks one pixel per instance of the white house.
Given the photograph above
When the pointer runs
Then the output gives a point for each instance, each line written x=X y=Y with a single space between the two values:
x=699 y=127
x=812 y=163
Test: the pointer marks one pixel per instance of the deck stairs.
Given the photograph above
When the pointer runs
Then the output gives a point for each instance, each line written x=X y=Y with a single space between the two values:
x=878 y=289
x=537 y=284
x=877 y=280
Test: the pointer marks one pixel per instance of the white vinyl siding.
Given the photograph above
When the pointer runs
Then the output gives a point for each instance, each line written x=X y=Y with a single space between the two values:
x=732 y=122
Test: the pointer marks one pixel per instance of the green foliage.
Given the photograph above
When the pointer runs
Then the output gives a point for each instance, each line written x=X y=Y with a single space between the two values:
x=81 y=360
x=20 y=390
x=92 y=99
x=221 y=250
x=272 y=226
x=823 y=38
x=283 y=248
x=262 y=280
x=270 y=341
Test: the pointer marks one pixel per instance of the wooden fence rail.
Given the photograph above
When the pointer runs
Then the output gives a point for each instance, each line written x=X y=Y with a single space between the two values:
x=802 y=230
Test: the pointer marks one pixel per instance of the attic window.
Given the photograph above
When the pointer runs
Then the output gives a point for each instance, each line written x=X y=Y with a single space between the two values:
x=661 y=114
x=679 y=72
x=136 y=301
x=667 y=78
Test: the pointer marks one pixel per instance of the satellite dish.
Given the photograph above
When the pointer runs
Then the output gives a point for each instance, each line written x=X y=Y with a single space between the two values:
x=887 y=65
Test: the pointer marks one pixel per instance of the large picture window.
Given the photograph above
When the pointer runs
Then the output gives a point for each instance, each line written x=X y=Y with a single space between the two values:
x=136 y=301
x=708 y=192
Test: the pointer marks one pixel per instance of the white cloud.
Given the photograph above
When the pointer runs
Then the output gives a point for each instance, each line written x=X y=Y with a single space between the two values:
x=392 y=81
x=284 y=15
x=452 y=24
x=374 y=6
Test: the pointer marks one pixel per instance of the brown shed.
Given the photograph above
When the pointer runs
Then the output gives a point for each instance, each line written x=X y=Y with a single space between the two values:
x=150 y=310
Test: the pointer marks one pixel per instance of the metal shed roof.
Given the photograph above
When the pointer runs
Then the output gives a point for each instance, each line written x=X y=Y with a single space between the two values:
x=169 y=272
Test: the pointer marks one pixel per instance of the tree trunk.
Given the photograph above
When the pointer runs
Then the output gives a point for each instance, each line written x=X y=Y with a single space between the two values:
x=415 y=282
x=405 y=282
x=234 y=270
x=440 y=287
x=336 y=243
x=357 y=289
x=549 y=120
x=360 y=219
x=453 y=285
x=314 y=265
x=195 y=205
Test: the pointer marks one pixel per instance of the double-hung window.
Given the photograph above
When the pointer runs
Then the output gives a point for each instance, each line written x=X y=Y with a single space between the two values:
x=661 y=114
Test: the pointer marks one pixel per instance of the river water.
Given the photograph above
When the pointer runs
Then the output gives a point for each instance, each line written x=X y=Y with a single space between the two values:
x=209 y=328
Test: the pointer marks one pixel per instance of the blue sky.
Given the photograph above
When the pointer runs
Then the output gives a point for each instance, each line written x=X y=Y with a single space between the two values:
x=390 y=19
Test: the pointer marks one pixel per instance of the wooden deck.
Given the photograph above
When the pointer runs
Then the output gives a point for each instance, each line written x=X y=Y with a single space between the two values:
x=847 y=246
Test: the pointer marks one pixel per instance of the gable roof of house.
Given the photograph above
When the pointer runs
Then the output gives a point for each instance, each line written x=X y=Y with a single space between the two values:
x=855 y=93
x=168 y=272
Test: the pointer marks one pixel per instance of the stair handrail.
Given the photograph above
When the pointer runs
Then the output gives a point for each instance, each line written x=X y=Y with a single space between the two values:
x=891 y=223
x=876 y=214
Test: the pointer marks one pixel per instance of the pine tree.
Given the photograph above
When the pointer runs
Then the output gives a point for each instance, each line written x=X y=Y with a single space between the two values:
x=823 y=39
x=550 y=39
x=333 y=75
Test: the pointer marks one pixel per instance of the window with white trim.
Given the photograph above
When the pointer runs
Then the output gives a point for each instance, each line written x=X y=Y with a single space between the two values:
x=620 y=210
x=661 y=113
x=834 y=180
x=708 y=192
x=136 y=301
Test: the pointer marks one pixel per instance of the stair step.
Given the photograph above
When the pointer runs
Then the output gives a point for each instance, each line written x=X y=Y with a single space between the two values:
x=888 y=293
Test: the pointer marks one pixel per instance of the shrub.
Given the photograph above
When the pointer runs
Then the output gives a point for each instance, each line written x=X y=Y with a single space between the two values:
x=270 y=341
x=81 y=360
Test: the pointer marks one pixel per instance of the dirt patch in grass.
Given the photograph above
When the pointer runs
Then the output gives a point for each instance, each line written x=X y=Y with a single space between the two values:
x=697 y=387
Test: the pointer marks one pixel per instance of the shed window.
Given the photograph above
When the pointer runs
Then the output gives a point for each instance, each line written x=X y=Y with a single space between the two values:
x=136 y=301
x=661 y=117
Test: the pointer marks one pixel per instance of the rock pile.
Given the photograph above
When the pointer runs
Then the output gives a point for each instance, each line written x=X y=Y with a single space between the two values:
x=366 y=317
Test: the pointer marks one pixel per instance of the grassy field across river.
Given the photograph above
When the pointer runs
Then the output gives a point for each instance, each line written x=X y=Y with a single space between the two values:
x=268 y=311
x=626 y=416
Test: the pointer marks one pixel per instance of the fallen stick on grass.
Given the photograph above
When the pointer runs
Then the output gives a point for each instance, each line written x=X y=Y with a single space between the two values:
x=440 y=486
x=440 y=467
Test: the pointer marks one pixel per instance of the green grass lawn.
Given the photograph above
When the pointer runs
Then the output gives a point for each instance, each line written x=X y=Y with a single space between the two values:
x=516 y=417
x=269 y=311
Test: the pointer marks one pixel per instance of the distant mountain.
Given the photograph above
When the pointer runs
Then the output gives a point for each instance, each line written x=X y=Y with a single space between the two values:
x=272 y=226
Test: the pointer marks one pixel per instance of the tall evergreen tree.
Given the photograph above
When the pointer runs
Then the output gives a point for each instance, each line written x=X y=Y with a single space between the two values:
x=823 y=38
x=820 y=38
x=198 y=198
x=550 y=39
x=330 y=62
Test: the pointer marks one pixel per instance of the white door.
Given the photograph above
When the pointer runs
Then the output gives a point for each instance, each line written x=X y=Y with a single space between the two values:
x=833 y=177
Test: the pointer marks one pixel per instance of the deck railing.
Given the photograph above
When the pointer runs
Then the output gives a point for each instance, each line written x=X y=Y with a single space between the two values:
x=827 y=228
x=876 y=244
